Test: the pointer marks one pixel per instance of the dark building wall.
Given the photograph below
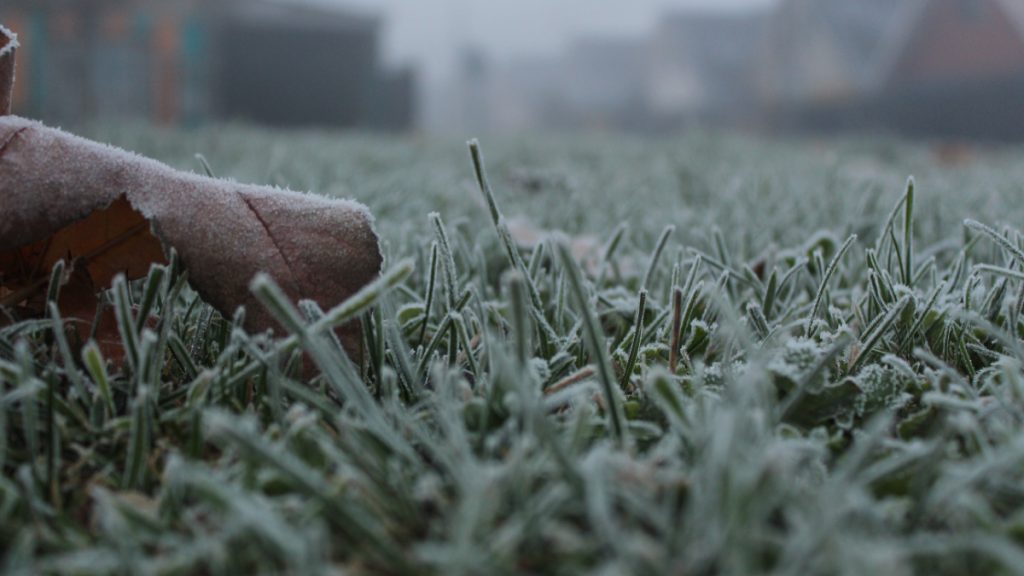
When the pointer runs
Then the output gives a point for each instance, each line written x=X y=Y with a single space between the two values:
x=282 y=75
x=986 y=110
x=183 y=62
x=394 y=100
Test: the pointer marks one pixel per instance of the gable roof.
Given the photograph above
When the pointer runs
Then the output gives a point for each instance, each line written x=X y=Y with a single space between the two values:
x=902 y=33
x=1015 y=11
x=826 y=49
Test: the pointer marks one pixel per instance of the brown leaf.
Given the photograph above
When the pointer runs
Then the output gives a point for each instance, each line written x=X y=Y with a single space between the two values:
x=8 y=45
x=107 y=211
x=106 y=242
x=66 y=197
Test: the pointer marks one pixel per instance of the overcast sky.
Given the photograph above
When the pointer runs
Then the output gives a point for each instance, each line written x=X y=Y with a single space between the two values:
x=427 y=32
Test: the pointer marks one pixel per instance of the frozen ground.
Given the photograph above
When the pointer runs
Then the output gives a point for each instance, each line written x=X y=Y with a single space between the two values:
x=747 y=357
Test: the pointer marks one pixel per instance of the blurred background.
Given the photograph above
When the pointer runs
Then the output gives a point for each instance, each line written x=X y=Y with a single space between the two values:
x=937 y=69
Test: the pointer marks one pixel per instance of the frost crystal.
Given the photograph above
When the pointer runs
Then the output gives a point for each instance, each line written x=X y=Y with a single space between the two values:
x=882 y=387
x=796 y=359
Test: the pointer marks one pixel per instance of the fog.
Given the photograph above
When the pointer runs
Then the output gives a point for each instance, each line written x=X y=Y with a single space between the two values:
x=434 y=35
x=920 y=68
x=429 y=33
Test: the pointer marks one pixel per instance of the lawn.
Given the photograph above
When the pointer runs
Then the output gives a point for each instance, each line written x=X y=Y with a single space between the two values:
x=705 y=355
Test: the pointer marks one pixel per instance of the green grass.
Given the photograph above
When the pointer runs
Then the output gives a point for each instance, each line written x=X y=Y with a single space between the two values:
x=777 y=358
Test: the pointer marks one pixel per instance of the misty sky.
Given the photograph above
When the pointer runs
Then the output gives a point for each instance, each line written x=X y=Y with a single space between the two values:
x=427 y=32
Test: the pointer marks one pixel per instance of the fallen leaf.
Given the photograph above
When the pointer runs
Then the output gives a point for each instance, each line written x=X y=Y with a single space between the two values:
x=953 y=153
x=8 y=45
x=106 y=211
x=584 y=247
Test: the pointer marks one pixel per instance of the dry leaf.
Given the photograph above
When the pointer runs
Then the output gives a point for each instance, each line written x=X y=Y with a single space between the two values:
x=107 y=211
x=8 y=45
x=66 y=197
x=585 y=248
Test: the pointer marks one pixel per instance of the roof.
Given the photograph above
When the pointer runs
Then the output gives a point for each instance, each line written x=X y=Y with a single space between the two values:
x=829 y=48
x=901 y=33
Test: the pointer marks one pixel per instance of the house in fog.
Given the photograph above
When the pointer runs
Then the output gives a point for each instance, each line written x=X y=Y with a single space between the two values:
x=824 y=52
x=956 y=68
x=283 y=63
x=702 y=65
x=947 y=43
x=603 y=83
x=919 y=67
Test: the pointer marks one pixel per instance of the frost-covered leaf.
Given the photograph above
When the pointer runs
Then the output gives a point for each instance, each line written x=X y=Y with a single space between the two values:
x=882 y=388
x=109 y=211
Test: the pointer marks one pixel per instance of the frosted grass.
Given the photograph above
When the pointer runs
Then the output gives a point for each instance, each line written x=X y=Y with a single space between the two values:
x=747 y=394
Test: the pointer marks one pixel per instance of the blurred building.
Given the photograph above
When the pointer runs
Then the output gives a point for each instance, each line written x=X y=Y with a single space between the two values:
x=697 y=67
x=955 y=68
x=825 y=51
x=526 y=94
x=935 y=68
x=946 y=43
x=603 y=83
x=287 y=65
x=189 y=61
x=702 y=66
x=920 y=67
x=473 y=82
x=97 y=57
x=822 y=59
x=599 y=82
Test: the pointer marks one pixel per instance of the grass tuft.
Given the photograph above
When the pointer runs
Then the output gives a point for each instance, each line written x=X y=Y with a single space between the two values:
x=729 y=387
